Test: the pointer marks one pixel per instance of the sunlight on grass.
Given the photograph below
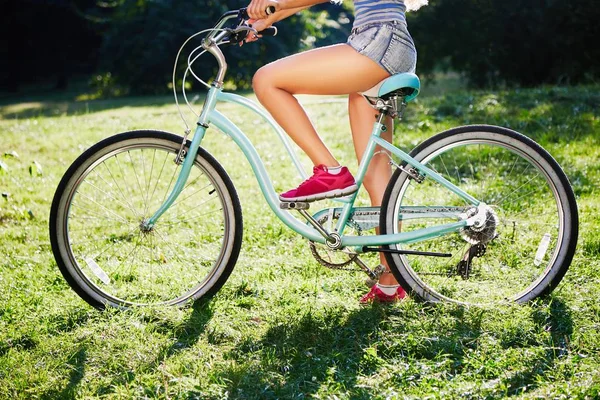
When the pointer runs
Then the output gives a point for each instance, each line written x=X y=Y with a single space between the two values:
x=283 y=326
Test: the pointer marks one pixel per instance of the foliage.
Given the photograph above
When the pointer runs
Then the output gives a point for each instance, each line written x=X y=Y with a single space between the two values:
x=46 y=41
x=134 y=42
x=283 y=326
x=141 y=45
x=512 y=42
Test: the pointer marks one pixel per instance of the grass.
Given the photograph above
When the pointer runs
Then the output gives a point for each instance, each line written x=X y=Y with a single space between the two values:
x=283 y=326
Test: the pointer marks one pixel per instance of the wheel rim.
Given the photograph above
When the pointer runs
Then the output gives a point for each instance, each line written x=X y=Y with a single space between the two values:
x=123 y=263
x=527 y=207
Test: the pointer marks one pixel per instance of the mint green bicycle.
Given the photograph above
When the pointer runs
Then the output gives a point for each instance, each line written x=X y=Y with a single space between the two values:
x=474 y=215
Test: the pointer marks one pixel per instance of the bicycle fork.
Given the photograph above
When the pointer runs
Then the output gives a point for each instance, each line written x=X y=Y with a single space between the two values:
x=186 y=159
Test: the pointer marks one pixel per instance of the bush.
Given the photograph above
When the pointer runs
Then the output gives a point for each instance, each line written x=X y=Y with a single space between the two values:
x=514 y=42
x=141 y=45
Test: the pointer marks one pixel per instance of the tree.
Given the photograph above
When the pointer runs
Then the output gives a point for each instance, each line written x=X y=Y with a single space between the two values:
x=515 y=42
x=45 y=41
x=145 y=35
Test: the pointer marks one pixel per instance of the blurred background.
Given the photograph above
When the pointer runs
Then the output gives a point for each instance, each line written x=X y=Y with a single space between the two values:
x=283 y=326
x=108 y=48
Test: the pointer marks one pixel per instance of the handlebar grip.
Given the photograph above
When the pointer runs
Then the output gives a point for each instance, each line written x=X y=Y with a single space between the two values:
x=243 y=12
x=270 y=31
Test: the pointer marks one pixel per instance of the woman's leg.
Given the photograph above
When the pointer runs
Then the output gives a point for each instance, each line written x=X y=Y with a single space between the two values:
x=362 y=118
x=331 y=70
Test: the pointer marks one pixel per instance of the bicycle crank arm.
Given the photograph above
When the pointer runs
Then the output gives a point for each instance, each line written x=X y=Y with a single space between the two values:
x=409 y=252
x=333 y=240
x=373 y=274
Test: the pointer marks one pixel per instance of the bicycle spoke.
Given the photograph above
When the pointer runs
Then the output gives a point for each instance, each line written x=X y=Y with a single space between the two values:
x=186 y=212
x=191 y=195
x=109 y=195
x=123 y=175
x=170 y=183
x=159 y=176
x=503 y=260
x=105 y=236
x=123 y=196
x=120 y=218
x=144 y=191
x=135 y=172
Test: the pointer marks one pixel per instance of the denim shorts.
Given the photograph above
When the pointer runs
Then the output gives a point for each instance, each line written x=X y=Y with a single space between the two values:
x=388 y=44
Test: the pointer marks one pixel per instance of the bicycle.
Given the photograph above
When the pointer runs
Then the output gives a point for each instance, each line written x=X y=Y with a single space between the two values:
x=473 y=215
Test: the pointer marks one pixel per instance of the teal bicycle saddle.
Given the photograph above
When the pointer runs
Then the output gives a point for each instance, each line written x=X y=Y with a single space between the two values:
x=405 y=84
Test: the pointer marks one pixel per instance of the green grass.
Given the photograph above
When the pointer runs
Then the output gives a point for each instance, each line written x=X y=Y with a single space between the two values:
x=283 y=326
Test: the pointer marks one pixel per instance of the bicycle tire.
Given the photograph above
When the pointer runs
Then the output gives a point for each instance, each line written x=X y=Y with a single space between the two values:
x=96 y=231
x=529 y=196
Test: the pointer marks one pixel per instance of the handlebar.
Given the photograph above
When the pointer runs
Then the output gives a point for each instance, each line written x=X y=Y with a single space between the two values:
x=217 y=36
x=270 y=31
x=269 y=10
x=236 y=33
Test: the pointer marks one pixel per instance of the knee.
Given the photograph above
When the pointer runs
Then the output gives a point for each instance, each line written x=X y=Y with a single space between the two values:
x=261 y=83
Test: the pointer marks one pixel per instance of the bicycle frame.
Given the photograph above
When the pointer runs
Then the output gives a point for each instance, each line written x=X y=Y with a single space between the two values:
x=210 y=115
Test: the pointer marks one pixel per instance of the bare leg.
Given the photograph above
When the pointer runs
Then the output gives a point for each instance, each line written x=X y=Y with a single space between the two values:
x=362 y=117
x=331 y=70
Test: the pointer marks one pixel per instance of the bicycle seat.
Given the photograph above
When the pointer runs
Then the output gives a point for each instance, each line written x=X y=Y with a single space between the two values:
x=405 y=84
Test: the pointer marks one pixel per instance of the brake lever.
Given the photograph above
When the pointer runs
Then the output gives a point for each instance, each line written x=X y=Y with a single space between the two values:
x=237 y=35
x=245 y=28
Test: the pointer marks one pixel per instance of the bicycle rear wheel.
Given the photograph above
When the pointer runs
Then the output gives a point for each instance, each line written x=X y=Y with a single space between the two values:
x=531 y=227
x=96 y=229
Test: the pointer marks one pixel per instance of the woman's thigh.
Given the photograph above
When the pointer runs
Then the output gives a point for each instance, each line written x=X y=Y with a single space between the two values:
x=333 y=70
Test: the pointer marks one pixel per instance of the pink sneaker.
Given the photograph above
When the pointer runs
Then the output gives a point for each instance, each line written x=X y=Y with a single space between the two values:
x=376 y=295
x=322 y=185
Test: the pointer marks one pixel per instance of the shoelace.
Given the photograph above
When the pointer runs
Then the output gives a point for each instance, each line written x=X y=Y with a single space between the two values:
x=317 y=170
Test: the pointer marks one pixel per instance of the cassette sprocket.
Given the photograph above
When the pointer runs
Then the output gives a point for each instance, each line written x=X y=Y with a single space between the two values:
x=484 y=234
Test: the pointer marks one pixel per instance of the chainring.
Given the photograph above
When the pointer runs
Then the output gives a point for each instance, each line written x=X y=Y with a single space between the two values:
x=324 y=255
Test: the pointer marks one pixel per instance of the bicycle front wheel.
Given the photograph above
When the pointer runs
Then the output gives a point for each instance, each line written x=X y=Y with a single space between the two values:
x=96 y=224
x=531 y=227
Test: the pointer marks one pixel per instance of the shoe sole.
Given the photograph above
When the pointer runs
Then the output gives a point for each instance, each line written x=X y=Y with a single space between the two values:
x=322 y=196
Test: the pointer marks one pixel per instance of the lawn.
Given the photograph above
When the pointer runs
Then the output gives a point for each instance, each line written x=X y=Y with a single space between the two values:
x=283 y=326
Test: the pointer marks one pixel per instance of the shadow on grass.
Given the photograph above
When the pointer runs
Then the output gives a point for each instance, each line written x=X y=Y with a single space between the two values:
x=188 y=334
x=76 y=365
x=328 y=352
x=184 y=336
x=25 y=108
x=315 y=353
x=551 y=315
x=24 y=342
x=299 y=354
x=56 y=105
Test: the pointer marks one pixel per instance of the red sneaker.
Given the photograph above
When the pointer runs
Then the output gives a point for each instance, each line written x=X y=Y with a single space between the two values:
x=322 y=185
x=376 y=295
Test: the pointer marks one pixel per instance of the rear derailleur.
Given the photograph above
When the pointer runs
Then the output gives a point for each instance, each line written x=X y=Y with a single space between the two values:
x=464 y=266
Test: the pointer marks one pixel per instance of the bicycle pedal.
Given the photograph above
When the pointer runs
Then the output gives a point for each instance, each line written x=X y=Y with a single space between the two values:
x=294 y=205
x=374 y=276
x=370 y=282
